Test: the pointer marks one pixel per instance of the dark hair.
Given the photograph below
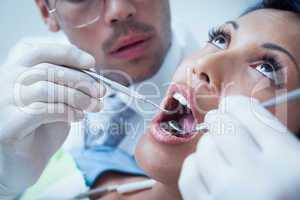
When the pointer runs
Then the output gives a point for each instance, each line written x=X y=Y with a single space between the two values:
x=287 y=5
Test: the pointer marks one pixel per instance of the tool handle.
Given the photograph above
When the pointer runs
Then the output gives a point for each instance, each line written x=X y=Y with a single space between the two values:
x=115 y=85
x=290 y=96
x=132 y=187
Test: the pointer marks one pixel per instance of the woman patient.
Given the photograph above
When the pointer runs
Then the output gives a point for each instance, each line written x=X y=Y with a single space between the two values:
x=257 y=56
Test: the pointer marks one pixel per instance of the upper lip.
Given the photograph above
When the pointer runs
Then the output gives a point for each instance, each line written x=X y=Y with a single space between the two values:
x=129 y=40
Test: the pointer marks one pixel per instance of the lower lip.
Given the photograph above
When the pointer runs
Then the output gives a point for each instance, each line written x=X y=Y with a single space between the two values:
x=165 y=137
x=133 y=52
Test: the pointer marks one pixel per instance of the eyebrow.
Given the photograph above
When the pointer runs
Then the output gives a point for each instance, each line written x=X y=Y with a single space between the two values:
x=235 y=25
x=276 y=47
x=270 y=46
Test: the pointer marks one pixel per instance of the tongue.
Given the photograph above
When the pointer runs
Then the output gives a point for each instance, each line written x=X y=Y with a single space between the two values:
x=187 y=123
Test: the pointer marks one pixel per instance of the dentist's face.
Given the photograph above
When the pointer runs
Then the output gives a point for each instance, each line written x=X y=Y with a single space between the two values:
x=132 y=36
x=257 y=56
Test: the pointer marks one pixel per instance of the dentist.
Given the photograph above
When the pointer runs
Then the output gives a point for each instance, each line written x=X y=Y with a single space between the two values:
x=42 y=95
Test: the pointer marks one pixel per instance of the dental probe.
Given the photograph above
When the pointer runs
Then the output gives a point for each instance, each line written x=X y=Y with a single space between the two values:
x=290 y=96
x=121 y=88
x=121 y=189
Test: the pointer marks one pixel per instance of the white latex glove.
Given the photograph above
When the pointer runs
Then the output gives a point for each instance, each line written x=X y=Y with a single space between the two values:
x=247 y=154
x=39 y=100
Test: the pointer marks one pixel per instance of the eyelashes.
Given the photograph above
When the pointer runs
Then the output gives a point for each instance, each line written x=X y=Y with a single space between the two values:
x=272 y=69
x=268 y=66
x=219 y=38
x=217 y=32
x=276 y=65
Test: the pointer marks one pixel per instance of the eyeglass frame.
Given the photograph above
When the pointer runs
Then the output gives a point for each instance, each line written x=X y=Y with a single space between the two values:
x=54 y=10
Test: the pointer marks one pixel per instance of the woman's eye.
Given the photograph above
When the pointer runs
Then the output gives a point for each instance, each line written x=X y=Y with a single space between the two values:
x=266 y=68
x=271 y=72
x=219 y=37
x=220 y=42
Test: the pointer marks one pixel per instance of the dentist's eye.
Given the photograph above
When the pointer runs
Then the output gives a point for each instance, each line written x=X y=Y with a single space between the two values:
x=271 y=69
x=219 y=38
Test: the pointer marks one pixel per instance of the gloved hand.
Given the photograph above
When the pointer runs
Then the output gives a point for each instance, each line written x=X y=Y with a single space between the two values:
x=247 y=154
x=39 y=99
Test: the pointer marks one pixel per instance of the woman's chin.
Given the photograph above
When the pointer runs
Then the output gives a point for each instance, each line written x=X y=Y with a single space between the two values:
x=161 y=161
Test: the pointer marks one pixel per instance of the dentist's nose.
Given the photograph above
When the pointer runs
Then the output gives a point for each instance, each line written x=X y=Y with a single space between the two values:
x=118 y=10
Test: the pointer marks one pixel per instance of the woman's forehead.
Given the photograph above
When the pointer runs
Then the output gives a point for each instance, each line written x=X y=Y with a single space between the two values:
x=265 y=19
x=271 y=26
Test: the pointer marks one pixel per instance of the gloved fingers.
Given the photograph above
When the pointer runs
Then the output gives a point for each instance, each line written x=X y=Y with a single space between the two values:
x=31 y=54
x=48 y=92
x=264 y=127
x=46 y=113
x=232 y=139
x=63 y=76
x=55 y=139
x=15 y=123
x=210 y=161
x=23 y=121
x=191 y=183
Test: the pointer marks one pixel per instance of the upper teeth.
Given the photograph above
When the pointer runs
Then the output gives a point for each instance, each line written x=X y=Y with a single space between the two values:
x=181 y=99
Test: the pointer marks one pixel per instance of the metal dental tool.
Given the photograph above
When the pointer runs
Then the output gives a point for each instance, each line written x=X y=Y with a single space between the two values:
x=290 y=96
x=121 y=189
x=180 y=132
x=121 y=88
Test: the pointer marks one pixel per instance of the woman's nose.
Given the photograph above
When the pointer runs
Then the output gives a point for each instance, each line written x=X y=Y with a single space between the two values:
x=217 y=70
x=118 y=11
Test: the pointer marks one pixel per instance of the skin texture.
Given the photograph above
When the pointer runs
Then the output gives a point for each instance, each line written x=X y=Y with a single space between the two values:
x=230 y=71
x=120 y=19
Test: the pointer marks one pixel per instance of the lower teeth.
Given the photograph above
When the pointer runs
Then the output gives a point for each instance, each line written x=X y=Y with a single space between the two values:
x=175 y=126
x=172 y=127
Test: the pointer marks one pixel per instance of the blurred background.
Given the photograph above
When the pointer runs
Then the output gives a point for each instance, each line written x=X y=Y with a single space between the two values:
x=21 y=18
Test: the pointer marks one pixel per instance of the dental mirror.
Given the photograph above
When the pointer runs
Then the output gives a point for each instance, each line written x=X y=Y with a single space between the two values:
x=181 y=133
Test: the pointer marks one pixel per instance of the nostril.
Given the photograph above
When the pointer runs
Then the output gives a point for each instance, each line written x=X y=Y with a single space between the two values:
x=130 y=16
x=205 y=77
x=116 y=20
x=113 y=21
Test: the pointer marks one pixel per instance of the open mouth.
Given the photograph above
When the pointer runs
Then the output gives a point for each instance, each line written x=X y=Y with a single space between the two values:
x=177 y=126
x=181 y=120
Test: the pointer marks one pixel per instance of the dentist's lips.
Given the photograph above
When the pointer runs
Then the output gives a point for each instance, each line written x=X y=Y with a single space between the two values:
x=186 y=117
x=131 y=47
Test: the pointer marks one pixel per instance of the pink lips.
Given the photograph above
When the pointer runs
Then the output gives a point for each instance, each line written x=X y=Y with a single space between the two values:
x=165 y=137
x=162 y=135
x=131 y=47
